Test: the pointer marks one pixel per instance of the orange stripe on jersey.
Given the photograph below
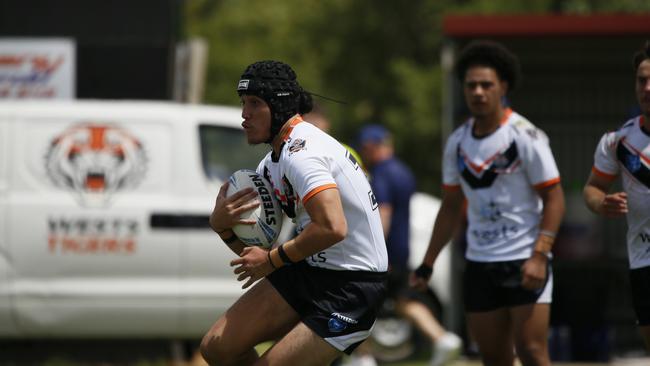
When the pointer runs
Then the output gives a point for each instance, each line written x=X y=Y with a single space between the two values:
x=313 y=192
x=479 y=168
x=506 y=115
x=451 y=187
x=286 y=130
x=602 y=174
x=548 y=183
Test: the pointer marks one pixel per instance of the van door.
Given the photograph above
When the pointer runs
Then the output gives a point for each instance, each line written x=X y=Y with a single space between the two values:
x=210 y=285
x=83 y=192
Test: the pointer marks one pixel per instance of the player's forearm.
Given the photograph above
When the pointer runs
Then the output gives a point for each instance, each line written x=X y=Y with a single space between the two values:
x=449 y=216
x=593 y=197
x=328 y=226
x=312 y=240
x=553 y=211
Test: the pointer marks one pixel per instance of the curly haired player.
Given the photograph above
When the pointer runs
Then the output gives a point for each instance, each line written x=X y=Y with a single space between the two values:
x=503 y=165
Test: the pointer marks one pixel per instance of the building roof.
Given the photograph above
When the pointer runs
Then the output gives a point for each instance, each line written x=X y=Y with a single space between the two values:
x=546 y=25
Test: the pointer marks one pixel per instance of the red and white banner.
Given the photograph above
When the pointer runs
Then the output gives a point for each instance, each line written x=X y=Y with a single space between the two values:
x=37 y=68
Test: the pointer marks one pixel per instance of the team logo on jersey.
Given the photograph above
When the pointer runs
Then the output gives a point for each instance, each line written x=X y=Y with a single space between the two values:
x=95 y=161
x=339 y=322
x=532 y=132
x=491 y=211
x=482 y=176
x=634 y=162
x=297 y=145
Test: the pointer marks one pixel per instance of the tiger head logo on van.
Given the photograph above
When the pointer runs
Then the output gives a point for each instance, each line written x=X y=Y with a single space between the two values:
x=95 y=161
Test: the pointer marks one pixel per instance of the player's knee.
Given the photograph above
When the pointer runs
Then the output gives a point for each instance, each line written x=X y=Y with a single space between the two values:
x=532 y=353
x=214 y=351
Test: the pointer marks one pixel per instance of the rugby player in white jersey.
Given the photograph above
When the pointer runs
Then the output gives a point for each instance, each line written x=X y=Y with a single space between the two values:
x=503 y=165
x=318 y=293
x=626 y=152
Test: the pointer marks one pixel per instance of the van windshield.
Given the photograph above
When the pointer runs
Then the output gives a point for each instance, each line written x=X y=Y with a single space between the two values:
x=225 y=150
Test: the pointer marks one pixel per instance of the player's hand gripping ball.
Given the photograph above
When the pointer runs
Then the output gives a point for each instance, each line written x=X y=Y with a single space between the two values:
x=267 y=216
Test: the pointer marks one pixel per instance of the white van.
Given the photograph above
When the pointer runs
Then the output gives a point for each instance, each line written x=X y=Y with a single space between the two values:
x=103 y=217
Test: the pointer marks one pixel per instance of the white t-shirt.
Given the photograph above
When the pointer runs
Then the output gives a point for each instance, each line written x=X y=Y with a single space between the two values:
x=626 y=152
x=498 y=174
x=310 y=162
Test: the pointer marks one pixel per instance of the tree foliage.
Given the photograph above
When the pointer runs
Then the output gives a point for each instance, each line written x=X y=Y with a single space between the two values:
x=382 y=58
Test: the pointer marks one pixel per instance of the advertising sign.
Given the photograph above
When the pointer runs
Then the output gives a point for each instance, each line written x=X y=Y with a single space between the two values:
x=33 y=68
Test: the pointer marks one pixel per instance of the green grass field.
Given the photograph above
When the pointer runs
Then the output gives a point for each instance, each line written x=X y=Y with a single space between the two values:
x=65 y=354
x=465 y=362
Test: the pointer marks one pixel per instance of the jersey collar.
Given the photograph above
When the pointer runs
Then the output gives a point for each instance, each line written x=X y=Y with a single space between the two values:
x=285 y=131
x=288 y=127
x=506 y=115
x=507 y=112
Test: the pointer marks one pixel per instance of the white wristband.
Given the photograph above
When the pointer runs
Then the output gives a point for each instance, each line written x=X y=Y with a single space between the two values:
x=548 y=233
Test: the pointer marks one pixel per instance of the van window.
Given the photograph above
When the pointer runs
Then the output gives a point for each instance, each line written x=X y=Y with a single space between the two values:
x=225 y=150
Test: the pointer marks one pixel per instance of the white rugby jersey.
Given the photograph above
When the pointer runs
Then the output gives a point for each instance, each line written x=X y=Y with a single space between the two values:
x=310 y=162
x=626 y=152
x=498 y=174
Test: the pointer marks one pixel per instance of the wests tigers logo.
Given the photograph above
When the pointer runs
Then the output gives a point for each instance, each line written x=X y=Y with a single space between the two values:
x=95 y=161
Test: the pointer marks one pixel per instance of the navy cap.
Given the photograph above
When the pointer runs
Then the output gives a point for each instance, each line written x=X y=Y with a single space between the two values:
x=372 y=133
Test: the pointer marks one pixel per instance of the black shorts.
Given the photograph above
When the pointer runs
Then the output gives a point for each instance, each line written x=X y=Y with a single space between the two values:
x=339 y=306
x=640 y=283
x=492 y=285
